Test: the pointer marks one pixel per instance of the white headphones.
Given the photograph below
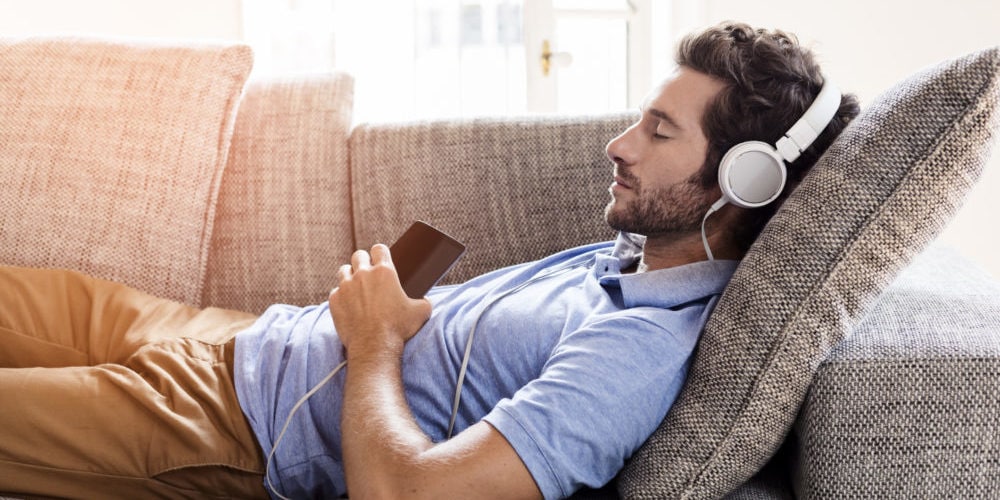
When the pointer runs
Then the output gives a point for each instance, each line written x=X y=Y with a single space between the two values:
x=752 y=174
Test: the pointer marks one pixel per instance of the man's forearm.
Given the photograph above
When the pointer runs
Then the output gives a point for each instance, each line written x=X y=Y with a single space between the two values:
x=382 y=442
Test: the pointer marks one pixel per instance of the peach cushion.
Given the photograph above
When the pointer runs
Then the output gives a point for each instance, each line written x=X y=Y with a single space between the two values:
x=111 y=156
x=283 y=223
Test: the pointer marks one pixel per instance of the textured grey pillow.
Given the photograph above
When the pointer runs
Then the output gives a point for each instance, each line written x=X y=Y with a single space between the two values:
x=882 y=191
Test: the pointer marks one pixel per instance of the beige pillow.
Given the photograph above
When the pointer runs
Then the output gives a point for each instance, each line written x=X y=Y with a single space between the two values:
x=283 y=223
x=111 y=156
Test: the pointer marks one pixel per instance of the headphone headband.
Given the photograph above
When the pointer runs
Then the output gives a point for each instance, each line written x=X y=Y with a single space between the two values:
x=812 y=123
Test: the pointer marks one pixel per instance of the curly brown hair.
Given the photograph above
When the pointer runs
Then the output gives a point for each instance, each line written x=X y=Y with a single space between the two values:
x=770 y=81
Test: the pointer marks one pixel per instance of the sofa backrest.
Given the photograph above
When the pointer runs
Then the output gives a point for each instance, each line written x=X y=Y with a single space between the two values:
x=283 y=219
x=511 y=189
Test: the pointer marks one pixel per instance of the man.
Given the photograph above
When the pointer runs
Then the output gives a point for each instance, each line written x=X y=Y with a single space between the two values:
x=573 y=360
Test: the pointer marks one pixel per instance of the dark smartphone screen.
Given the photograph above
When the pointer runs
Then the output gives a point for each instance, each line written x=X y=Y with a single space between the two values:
x=422 y=256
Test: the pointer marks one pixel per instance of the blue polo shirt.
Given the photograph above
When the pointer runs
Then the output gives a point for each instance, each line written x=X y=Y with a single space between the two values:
x=572 y=361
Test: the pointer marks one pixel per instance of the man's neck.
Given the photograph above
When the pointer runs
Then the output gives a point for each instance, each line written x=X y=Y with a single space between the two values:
x=665 y=251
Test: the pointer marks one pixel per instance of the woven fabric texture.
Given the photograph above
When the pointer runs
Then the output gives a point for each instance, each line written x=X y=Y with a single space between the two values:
x=916 y=387
x=112 y=155
x=772 y=482
x=881 y=192
x=512 y=190
x=283 y=222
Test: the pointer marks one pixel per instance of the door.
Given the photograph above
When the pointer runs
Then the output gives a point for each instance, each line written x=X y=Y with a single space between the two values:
x=586 y=56
x=419 y=59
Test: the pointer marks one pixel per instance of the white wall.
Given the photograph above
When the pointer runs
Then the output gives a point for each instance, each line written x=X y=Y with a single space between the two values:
x=213 y=19
x=867 y=46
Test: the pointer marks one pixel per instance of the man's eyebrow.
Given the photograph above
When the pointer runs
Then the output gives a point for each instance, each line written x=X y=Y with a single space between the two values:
x=663 y=115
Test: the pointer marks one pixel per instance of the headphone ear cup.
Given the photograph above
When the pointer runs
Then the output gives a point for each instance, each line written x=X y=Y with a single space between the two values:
x=752 y=174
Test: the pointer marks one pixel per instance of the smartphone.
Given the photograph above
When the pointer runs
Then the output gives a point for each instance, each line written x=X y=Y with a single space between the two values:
x=422 y=256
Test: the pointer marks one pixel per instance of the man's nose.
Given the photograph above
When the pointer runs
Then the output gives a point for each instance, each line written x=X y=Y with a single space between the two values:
x=618 y=149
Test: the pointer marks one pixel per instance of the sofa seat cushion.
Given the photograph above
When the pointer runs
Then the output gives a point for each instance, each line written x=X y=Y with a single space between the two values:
x=881 y=192
x=112 y=154
x=915 y=390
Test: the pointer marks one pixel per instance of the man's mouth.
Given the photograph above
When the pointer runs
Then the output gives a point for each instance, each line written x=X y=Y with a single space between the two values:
x=622 y=182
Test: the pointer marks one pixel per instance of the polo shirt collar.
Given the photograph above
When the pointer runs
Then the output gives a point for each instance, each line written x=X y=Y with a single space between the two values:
x=664 y=288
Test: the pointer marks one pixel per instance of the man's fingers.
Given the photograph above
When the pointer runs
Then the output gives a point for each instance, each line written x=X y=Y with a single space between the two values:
x=344 y=272
x=361 y=260
x=380 y=254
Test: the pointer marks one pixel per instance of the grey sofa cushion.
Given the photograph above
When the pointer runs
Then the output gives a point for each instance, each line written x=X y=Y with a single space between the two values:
x=909 y=405
x=881 y=192
x=511 y=189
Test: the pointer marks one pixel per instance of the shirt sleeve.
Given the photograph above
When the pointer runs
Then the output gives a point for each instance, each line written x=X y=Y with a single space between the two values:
x=603 y=391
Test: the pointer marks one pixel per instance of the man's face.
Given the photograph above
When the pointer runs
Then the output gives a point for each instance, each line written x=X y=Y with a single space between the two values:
x=656 y=190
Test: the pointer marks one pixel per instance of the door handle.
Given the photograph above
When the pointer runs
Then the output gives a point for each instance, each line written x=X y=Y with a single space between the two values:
x=561 y=59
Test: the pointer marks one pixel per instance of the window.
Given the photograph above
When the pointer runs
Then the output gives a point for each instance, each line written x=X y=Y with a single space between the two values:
x=424 y=59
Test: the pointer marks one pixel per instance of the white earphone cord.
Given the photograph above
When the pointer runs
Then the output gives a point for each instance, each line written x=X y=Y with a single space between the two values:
x=472 y=333
x=298 y=404
x=704 y=239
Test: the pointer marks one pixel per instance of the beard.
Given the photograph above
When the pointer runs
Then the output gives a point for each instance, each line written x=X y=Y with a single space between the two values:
x=674 y=209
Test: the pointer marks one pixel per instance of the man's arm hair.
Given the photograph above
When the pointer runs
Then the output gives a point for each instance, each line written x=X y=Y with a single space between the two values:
x=386 y=455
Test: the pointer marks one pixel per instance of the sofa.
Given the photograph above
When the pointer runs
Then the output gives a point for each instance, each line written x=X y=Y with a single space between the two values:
x=851 y=356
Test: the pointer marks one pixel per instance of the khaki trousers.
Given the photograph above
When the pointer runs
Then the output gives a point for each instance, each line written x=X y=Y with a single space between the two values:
x=107 y=392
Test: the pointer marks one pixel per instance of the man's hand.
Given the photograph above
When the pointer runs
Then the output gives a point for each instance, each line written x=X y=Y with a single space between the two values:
x=371 y=312
x=386 y=454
